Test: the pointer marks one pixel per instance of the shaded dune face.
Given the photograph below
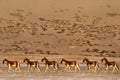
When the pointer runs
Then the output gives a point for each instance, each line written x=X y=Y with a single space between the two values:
x=56 y=27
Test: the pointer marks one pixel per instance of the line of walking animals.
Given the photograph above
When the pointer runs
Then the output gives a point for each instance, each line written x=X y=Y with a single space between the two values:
x=54 y=64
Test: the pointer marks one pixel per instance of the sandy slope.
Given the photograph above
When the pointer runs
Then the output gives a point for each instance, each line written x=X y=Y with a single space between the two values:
x=56 y=27
x=62 y=9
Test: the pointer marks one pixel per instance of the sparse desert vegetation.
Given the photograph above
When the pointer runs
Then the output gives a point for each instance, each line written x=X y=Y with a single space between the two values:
x=56 y=35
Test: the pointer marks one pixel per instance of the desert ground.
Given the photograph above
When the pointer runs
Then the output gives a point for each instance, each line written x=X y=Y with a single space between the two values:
x=60 y=74
x=58 y=29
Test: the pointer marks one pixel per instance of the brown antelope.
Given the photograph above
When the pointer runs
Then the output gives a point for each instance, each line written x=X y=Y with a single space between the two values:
x=68 y=64
x=32 y=64
x=50 y=63
x=108 y=64
x=12 y=64
x=91 y=63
